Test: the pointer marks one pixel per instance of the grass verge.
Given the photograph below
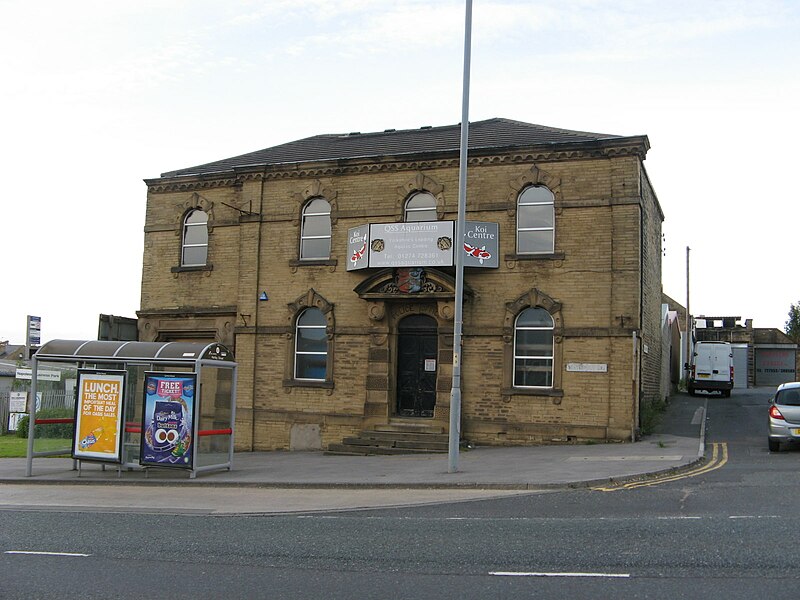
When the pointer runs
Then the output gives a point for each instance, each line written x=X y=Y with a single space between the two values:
x=12 y=446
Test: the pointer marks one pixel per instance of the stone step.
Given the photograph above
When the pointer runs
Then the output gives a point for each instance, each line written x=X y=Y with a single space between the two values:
x=432 y=446
x=370 y=442
x=406 y=427
x=353 y=450
x=391 y=436
x=394 y=439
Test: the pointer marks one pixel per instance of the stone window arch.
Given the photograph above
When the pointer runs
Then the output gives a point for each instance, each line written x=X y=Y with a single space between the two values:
x=535 y=220
x=310 y=219
x=310 y=346
x=310 y=342
x=535 y=202
x=420 y=206
x=315 y=230
x=193 y=226
x=421 y=183
x=533 y=346
x=533 y=349
x=194 y=238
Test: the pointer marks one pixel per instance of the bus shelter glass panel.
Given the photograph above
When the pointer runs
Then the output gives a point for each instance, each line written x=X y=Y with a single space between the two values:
x=55 y=404
x=133 y=412
x=216 y=415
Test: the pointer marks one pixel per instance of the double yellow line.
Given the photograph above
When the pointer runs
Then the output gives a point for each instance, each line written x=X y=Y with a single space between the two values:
x=719 y=456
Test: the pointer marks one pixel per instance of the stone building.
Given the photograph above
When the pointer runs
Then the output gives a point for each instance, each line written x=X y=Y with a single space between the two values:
x=326 y=264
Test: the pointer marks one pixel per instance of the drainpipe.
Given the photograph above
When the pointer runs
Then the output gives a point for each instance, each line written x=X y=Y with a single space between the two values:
x=634 y=383
x=255 y=316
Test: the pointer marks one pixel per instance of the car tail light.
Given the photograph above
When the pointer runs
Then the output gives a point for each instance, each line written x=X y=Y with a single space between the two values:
x=775 y=413
x=731 y=372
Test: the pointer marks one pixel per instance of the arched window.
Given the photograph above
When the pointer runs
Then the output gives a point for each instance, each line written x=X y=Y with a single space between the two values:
x=533 y=348
x=311 y=346
x=535 y=221
x=420 y=207
x=194 y=245
x=315 y=234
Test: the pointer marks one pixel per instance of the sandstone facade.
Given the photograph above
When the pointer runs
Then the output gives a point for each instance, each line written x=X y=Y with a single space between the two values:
x=601 y=285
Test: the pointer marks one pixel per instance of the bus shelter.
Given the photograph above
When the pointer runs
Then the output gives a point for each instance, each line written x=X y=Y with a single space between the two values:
x=139 y=405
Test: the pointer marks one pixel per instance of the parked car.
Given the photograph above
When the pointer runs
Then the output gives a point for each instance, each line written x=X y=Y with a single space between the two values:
x=784 y=416
x=711 y=368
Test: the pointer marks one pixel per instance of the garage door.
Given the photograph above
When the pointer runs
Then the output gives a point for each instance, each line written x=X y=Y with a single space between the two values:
x=740 y=366
x=775 y=366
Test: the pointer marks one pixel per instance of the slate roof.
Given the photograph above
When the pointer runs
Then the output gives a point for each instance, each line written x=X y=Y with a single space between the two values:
x=490 y=134
x=11 y=351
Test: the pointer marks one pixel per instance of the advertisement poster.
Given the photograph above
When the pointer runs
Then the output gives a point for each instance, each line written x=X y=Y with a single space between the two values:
x=98 y=415
x=168 y=420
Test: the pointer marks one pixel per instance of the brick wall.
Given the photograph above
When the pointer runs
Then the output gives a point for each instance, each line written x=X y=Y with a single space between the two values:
x=652 y=387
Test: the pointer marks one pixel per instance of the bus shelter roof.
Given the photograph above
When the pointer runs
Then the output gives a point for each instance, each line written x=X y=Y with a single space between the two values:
x=173 y=352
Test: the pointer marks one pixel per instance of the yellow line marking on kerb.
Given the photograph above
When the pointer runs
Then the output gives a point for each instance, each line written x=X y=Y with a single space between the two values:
x=719 y=456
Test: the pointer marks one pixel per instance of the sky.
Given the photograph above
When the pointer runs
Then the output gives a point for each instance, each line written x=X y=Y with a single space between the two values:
x=97 y=96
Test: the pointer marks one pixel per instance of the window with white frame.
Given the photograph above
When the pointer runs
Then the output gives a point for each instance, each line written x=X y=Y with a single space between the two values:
x=420 y=207
x=535 y=221
x=315 y=233
x=311 y=346
x=194 y=242
x=533 y=348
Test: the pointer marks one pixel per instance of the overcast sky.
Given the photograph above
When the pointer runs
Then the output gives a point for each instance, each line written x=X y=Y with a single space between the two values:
x=98 y=95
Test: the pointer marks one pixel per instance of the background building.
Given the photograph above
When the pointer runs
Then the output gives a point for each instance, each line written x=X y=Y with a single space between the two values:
x=325 y=263
x=761 y=356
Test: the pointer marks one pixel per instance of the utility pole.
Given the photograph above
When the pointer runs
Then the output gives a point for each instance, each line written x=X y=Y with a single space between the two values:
x=688 y=361
x=455 y=392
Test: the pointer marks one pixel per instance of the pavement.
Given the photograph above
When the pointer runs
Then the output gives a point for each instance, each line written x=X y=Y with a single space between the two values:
x=304 y=482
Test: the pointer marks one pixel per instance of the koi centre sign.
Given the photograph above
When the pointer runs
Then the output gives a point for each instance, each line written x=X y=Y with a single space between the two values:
x=422 y=244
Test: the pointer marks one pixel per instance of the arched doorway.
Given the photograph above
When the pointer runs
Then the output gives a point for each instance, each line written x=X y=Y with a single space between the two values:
x=417 y=363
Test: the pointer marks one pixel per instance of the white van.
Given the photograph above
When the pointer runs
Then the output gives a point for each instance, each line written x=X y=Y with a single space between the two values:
x=711 y=368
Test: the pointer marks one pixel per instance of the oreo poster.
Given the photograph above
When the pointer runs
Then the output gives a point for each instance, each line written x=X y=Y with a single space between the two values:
x=99 y=408
x=168 y=420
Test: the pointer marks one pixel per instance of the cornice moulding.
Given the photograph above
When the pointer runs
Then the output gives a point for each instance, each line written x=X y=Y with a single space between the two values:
x=187 y=311
x=623 y=147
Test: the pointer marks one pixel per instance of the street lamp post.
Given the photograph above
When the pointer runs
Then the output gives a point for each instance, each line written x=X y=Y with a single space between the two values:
x=455 y=392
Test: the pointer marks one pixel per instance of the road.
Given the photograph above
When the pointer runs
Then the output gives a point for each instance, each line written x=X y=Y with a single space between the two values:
x=724 y=530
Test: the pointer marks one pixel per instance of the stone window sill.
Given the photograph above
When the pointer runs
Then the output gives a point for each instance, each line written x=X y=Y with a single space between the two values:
x=543 y=256
x=325 y=385
x=332 y=262
x=543 y=392
x=179 y=269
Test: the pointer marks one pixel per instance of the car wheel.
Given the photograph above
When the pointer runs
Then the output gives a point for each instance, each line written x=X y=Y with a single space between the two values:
x=774 y=445
x=726 y=393
x=691 y=391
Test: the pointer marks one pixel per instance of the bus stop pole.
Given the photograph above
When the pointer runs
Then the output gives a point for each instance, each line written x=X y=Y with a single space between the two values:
x=32 y=416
